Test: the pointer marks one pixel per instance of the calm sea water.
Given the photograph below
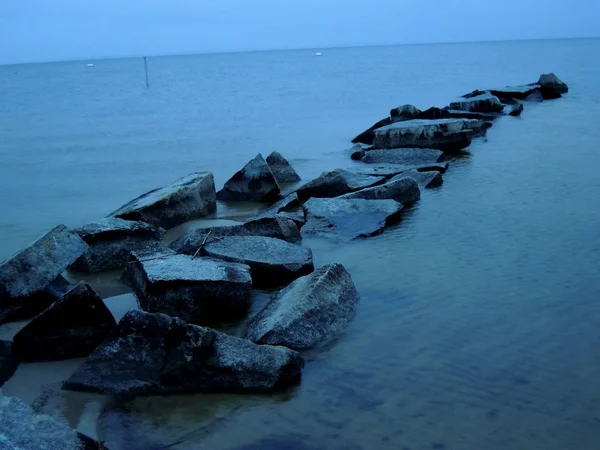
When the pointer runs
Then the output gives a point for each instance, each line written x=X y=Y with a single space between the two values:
x=478 y=325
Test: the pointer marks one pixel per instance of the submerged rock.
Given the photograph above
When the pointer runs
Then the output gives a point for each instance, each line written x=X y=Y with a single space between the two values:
x=199 y=290
x=188 y=198
x=8 y=363
x=157 y=354
x=110 y=242
x=514 y=109
x=71 y=328
x=551 y=86
x=484 y=103
x=273 y=262
x=349 y=219
x=255 y=182
x=389 y=170
x=335 y=183
x=30 y=281
x=367 y=136
x=404 y=156
x=404 y=112
x=287 y=203
x=403 y=189
x=310 y=311
x=282 y=170
x=535 y=97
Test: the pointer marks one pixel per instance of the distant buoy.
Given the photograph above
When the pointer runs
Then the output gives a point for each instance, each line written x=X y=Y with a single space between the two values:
x=317 y=54
x=90 y=65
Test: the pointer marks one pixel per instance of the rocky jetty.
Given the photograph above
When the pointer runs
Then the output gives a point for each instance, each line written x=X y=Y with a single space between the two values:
x=255 y=182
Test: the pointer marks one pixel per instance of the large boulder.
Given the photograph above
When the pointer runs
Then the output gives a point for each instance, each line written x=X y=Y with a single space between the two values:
x=403 y=189
x=255 y=182
x=288 y=203
x=551 y=86
x=110 y=242
x=443 y=134
x=367 y=136
x=404 y=112
x=157 y=354
x=347 y=219
x=309 y=312
x=8 y=363
x=22 y=429
x=273 y=262
x=282 y=169
x=336 y=182
x=199 y=290
x=390 y=170
x=404 y=156
x=188 y=198
x=70 y=328
x=484 y=103
x=30 y=281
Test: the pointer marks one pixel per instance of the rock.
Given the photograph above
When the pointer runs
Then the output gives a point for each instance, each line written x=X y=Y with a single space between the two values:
x=188 y=198
x=390 y=170
x=401 y=188
x=516 y=92
x=287 y=203
x=110 y=242
x=433 y=113
x=485 y=103
x=282 y=169
x=535 y=97
x=357 y=154
x=199 y=290
x=157 y=354
x=443 y=134
x=71 y=328
x=456 y=114
x=29 y=281
x=278 y=227
x=514 y=110
x=296 y=216
x=22 y=429
x=334 y=183
x=367 y=136
x=425 y=180
x=404 y=156
x=349 y=219
x=475 y=93
x=273 y=262
x=551 y=86
x=404 y=112
x=253 y=183
x=309 y=312
x=8 y=363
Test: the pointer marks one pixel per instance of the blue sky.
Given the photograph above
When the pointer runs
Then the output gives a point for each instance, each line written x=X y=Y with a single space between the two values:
x=49 y=30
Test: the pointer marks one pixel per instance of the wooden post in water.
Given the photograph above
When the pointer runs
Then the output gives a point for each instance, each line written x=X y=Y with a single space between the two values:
x=146 y=67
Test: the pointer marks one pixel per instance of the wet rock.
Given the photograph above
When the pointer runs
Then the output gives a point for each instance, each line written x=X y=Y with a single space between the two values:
x=157 y=354
x=255 y=182
x=514 y=109
x=484 y=103
x=110 y=242
x=348 y=219
x=199 y=290
x=357 y=154
x=310 y=311
x=404 y=112
x=282 y=170
x=434 y=113
x=335 y=183
x=367 y=136
x=273 y=262
x=296 y=216
x=535 y=97
x=551 y=86
x=456 y=114
x=443 y=134
x=22 y=429
x=425 y=180
x=8 y=363
x=188 y=198
x=404 y=156
x=403 y=189
x=390 y=170
x=71 y=328
x=516 y=92
x=29 y=281
x=287 y=203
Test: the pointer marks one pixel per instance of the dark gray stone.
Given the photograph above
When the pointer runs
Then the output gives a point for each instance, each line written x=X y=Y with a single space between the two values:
x=296 y=216
x=311 y=311
x=516 y=92
x=29 y=281
x=551 y=86
x=199 y=290
x=535 y=97
x=156 y=354
x=456 y=114
x=255 y=182
x=434 y=113
x=110 y=242
x=188 y=198
x=404 y=156
x=288 y=203
x=484 y=103
x=273 y=262
x=348 y=219
x=389 y=170
x=403 y=189
x=335 y=183
x=357 y=154
x=8 y=363
x=425 y=180
x=282 y=169
x=367 y=136
x=71 y=328
x=404 y=112
x=514 y=109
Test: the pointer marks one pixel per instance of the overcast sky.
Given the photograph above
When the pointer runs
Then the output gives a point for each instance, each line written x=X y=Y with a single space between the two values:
x=49 y=30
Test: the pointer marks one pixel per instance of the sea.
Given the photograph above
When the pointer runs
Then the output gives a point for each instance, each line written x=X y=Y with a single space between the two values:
x=479 y=320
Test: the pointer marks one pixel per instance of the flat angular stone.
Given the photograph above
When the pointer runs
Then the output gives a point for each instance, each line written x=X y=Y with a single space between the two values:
x=29 y=281
x=404 y=156
x=457 y=114
x=516 y=92
x=404 y=112
x=71 y=328
x=403 y=189
x=198 y=290
x=188 y=198
x=390 y=170
x=551 y=86
x=425 y=180
x=335 y=183
x=311 y=311
x=282 y=169
x=273 y=262
x=434 y=113
x=485 y=103
x=8 y=363
x=255 y=182
x=287 y=203
x=367 y=136
x=348 y=219
x=110 y=242
x=156 y=354
x=296 y=216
